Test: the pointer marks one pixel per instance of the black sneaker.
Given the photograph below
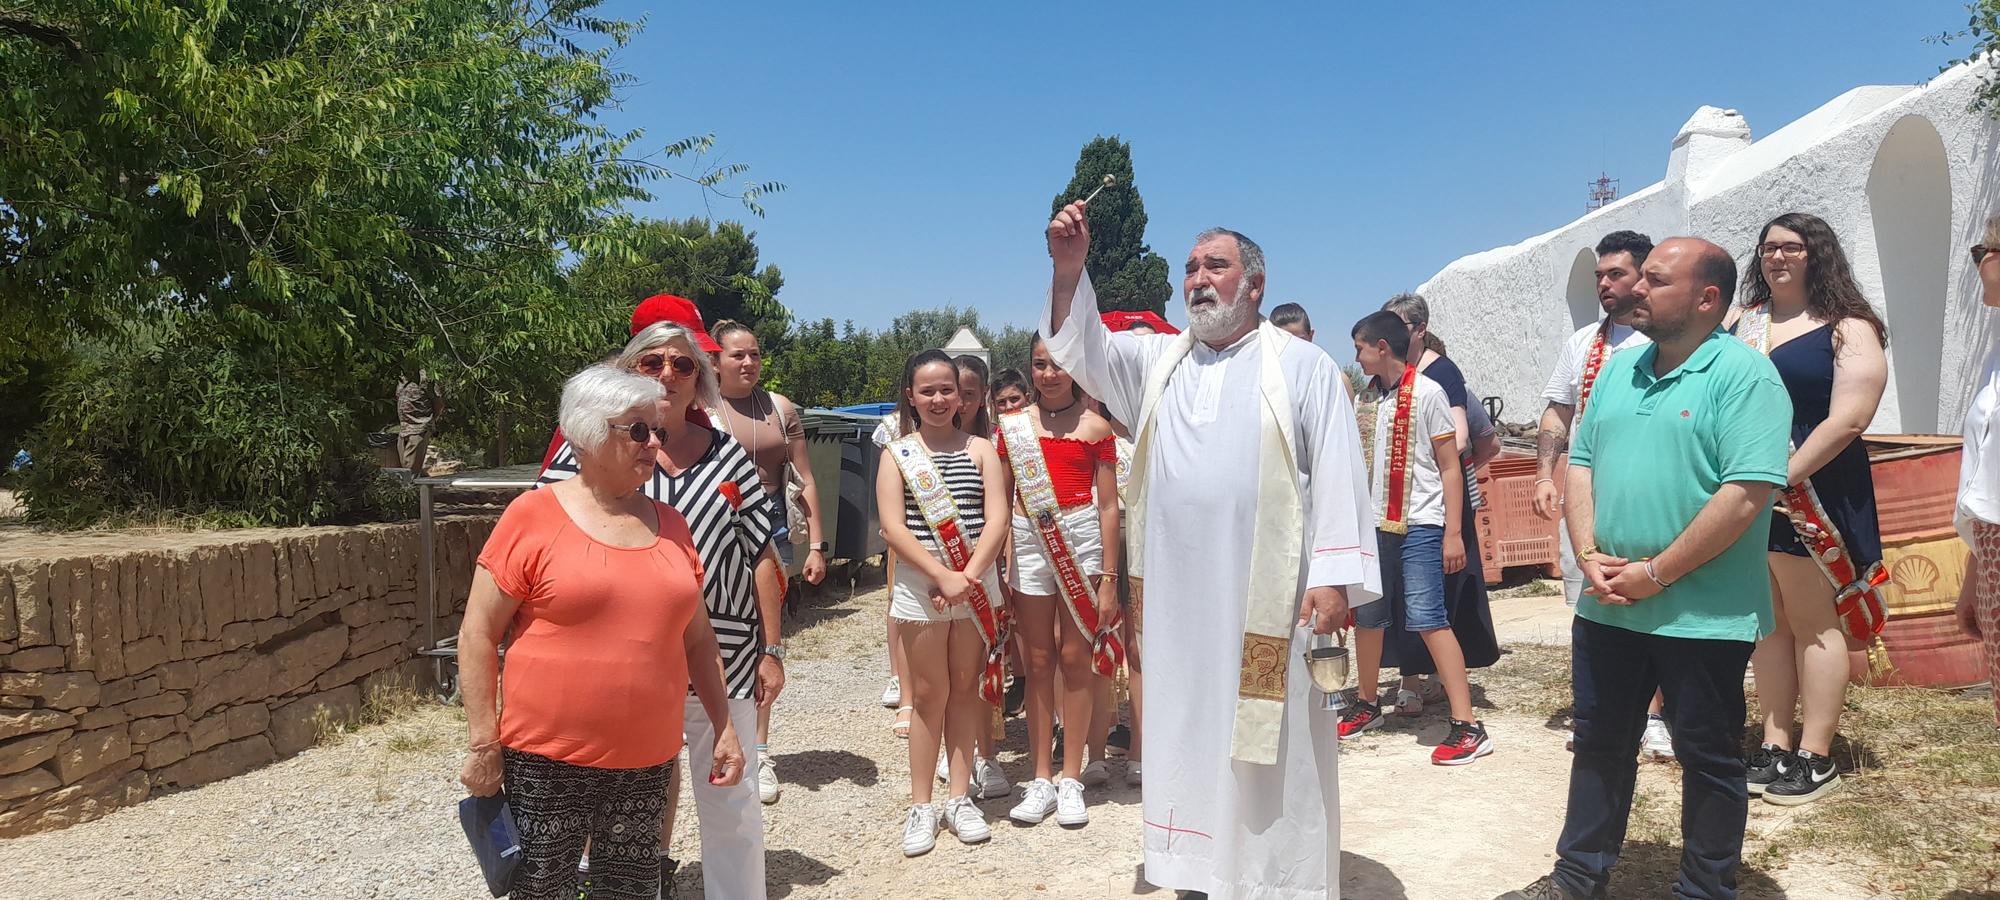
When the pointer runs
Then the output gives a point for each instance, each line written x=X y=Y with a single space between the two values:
x=1766 y=766
x=1546 y=888
x=1057 y=748
x=1017 y=697
x=1118 y=742
x=1809 y=777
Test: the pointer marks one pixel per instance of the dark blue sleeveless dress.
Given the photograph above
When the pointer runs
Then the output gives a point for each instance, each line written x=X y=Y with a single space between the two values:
x=1845 y=485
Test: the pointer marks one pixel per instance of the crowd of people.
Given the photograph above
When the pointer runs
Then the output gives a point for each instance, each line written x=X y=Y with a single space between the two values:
x=1700 y=445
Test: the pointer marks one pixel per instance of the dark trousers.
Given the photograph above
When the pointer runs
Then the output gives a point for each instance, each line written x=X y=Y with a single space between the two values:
x=1615 y=672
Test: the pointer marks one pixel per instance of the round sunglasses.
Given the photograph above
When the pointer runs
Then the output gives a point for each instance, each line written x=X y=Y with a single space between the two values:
x=655 y=363
x=639 y=431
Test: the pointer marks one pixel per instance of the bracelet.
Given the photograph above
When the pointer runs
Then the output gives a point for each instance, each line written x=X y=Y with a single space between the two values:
x=1545 y=481
x=1656 y=577
x=482 y=748
x=1586 y=553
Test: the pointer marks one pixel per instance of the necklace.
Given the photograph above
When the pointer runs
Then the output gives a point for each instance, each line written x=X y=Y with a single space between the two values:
x=1057 y=412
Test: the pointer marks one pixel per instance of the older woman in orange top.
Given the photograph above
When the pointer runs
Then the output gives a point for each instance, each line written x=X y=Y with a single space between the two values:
x=599 y=588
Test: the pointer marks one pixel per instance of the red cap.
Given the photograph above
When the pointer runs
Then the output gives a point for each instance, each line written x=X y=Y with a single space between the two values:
x=678 y=310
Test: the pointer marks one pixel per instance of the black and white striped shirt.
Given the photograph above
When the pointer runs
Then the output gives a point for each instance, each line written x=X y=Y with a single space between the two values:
x=968 y=491
x=724 y=504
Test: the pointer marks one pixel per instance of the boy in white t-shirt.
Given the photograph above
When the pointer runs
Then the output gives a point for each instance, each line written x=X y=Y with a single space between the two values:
x=1418 y=507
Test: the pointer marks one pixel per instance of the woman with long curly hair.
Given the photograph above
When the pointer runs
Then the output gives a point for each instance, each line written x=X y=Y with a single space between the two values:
x=1802 y=307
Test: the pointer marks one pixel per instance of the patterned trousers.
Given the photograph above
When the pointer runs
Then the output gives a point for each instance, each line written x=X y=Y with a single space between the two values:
x=1986 y=592
x=558 y=805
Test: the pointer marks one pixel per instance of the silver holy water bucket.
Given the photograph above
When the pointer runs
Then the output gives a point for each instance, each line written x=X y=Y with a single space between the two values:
x=1327 y=663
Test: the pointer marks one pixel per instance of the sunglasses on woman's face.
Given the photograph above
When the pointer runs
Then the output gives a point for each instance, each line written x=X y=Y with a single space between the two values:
x=1979 y=252
x=655 y=363
x=640 y=431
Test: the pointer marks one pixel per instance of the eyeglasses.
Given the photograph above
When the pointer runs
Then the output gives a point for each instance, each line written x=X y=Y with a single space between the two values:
x=640 y=431
x=655 y=363
x=1979 y=252
x=1788 y=248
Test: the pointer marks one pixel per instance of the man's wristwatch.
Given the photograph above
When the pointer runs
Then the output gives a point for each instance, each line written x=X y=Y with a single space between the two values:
x=819 y=547
x=774 y=651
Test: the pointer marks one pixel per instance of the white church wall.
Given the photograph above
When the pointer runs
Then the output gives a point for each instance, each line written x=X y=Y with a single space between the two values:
x=1905 y=176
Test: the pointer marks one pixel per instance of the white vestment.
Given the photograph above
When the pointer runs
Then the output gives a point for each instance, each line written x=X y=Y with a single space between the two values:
x=1230 y=829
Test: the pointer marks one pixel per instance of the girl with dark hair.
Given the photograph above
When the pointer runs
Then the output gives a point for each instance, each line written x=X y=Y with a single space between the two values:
x=1065 y=541
x=1802 y=307
x=945 y=599
x=975 y=416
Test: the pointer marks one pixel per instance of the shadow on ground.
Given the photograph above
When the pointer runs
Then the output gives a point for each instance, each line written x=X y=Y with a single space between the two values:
x=1646 y=871
x=815 y=769
x=784 y=872
x=1361 y=878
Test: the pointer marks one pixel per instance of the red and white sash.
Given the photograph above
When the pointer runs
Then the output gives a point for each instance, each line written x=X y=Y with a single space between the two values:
x=1397 y=481
x=1857 y=597
x=1593 y=362
x=1038 y=498
x=940 y=511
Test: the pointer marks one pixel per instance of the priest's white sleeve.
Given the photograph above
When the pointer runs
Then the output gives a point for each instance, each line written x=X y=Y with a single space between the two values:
x=1111 y=367
x=1342 y=536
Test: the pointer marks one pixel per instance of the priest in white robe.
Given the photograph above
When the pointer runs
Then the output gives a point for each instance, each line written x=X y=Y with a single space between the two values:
x=1253 y=530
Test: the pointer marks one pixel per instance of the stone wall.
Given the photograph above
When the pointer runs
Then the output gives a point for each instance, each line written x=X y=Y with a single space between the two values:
x=126 y=673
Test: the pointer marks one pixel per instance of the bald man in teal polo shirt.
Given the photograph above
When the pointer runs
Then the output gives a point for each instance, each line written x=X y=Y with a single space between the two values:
x=1676 y=458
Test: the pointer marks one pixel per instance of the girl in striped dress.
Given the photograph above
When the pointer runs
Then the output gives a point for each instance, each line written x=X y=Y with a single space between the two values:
x=943 y=611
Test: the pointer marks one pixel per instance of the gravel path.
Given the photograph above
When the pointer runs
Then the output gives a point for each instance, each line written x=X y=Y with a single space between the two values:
x=370 y=814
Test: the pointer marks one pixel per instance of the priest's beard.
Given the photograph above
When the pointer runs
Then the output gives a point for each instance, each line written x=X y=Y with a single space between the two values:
x=1222 y=319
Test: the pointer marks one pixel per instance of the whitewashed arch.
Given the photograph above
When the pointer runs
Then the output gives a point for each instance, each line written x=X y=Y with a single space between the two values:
x=1909 y=205
x=1581 y=291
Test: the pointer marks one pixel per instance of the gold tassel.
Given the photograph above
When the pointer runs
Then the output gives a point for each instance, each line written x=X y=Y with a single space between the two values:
x=1879 y=666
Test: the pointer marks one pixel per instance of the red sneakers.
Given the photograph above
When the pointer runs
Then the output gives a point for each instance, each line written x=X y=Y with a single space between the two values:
x=1359 y=716
x=1466 y=742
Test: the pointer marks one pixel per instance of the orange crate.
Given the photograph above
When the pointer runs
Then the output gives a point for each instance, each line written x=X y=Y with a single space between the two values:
x=1510 y=534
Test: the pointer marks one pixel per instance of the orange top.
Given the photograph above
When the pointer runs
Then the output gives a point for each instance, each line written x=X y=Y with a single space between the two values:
x=595 y=674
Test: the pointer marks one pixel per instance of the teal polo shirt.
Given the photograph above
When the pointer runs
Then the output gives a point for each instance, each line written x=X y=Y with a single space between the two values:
x=1658 y=448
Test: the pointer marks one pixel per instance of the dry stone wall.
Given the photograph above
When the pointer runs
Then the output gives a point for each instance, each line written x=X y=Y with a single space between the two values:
x=127 y=673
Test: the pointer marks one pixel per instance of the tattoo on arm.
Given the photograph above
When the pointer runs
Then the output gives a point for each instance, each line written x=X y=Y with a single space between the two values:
x=1550 y=443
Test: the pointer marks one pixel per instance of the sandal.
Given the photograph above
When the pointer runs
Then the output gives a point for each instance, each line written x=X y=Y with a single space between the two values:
x=902 y=726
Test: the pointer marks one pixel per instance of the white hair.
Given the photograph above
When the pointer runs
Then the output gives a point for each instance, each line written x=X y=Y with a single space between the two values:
x=593 y=397
x=1248 y=254
x=707 y=394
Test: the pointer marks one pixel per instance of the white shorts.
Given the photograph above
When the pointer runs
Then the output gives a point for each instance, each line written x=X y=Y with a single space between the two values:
x=910 y=598
x=1033 y=573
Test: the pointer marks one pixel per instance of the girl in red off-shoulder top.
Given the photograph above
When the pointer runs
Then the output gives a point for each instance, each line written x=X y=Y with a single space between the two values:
x=1078 y=448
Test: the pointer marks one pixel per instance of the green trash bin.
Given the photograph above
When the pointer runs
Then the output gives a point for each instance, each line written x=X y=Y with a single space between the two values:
x=840 y=445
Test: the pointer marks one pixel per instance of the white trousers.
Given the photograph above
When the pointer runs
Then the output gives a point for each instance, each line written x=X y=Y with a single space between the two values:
x=732 y=818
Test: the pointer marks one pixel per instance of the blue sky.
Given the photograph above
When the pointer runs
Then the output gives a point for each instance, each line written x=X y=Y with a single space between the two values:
x=1363 y=145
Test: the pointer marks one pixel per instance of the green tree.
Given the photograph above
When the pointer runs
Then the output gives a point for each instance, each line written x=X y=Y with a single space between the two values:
x=308 y=197
x=1982 y=31
x=1127 y=274
x=823 y=365
x=713 y=264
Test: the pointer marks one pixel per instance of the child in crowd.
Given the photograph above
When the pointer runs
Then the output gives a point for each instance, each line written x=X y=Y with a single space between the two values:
x=1419 y=507
x=946 y=600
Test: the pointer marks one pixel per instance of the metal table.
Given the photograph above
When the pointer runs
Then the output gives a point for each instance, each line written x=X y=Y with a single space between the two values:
x=517 y=478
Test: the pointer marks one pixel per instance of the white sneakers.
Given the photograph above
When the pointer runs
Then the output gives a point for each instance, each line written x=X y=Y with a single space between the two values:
x=1070 y=810
x=1658 y=742
x=920 y=830
x=768 y=788
x=1038 y=801
x=966 y=821
x=1097 y=774
x=892 y=696
x=943 y=769
x=989 y=781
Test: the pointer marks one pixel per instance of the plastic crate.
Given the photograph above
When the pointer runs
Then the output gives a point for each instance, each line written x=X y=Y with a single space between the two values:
x=1510 y=534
